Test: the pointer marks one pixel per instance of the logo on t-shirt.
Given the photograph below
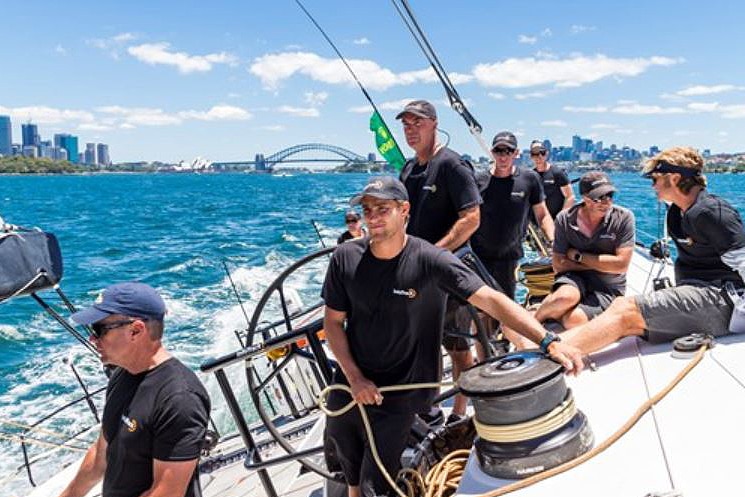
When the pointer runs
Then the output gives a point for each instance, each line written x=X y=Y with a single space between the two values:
x=685 y=241
x=548 y=182
x=411 y=293
x=609 y=236
x=518 y=194
x=431 y=188
x=131 y=423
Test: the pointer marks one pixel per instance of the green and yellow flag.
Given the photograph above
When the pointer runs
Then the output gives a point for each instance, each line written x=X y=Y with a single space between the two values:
x=385 y=142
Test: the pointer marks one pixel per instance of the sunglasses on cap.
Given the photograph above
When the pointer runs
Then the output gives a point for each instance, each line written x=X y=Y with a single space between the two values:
x=502 y=151
x=603 y=198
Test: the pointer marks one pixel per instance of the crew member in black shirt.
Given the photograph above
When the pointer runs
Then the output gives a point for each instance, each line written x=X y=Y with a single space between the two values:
x=385 y=304
x=509 y=194
x=157 y=410
x=444 y=203
x=354 y=227
x=709 y=236
x=556 y=185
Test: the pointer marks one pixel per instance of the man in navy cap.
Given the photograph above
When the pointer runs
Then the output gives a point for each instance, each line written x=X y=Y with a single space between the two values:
x=157 y=410
x=385 y=300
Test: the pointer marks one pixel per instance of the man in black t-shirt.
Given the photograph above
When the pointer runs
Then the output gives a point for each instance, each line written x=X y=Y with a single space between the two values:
x=385 y=305
x=709 y=270
x=354 y=227
x=509 y=194
x=157 y=410
x=444 y=203
x=556 y=185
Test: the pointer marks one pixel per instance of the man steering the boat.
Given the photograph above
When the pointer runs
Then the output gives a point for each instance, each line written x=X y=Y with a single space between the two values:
x=385 y=299
x=156 y=413
x=444 y=202
x=709 y=269
x=591 y=254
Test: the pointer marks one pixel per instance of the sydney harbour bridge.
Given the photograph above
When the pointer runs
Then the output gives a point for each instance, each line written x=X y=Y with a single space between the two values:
x=304 y=156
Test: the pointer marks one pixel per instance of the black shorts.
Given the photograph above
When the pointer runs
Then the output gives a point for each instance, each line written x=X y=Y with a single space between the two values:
x=347 y=441
x=595 y=296
x=457 y=323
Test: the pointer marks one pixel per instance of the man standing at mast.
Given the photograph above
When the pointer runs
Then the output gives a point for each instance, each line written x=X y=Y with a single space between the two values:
x=444 y=211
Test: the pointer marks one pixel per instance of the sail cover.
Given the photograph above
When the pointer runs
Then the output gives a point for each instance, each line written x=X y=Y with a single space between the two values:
x=29 y=261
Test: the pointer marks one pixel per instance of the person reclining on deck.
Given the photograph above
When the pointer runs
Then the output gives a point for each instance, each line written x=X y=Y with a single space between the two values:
x=385 y=301
x=709 y=235
x=591 y=254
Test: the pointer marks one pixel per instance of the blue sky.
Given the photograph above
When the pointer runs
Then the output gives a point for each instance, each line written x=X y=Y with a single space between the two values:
x=170 y=80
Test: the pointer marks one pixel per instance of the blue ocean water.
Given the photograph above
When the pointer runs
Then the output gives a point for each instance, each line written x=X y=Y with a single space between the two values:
x=174 y=232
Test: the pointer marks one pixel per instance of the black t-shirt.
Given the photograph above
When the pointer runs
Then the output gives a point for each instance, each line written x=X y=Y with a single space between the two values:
x=348 y=236
x=437 y=191
x=504 y=213
x=708 y=229
x=553 y=179
x=395 y=312
x=159 y=414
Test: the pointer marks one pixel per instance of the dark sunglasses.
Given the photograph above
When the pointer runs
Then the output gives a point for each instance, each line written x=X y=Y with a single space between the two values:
x=503 y=151
x=348 y=221
x=536 y=154
x=100 y=329
x=603 y=198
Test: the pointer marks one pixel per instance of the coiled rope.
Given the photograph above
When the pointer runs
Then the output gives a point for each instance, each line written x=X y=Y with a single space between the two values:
x=446 y=474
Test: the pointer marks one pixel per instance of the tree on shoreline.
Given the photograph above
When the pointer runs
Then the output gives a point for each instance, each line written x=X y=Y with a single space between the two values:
x=28 y=165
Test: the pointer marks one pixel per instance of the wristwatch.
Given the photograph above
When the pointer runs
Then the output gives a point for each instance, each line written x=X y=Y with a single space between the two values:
x=549 y=338
x=577 y=257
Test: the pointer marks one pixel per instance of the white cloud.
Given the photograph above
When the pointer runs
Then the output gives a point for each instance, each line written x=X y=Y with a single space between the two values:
x=42 y=114
x=579 y=28
x=682 y=132
x=527 y=40
x=575 y=71
x=396 y=105
x=496 y=96
x=113 y=45
x=546 y=33
x=646 y=110
x=725 y=111
x=697 y=90
x=594 y=109
x=316 y=99
x=557 y=123
x=59 y=49
x=272 y=69
x=361 y=41
x=124 y=37
x=604 y=126
x=299 y=111
x=234 y=95
x=272 y=127
x=94 y=127
x=535 y=94
x=127 y=126
x=160 y=53
x=723 y=133
x=218 y=113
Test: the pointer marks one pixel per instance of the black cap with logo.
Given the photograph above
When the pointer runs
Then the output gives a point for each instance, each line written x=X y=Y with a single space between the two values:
x=384 y=187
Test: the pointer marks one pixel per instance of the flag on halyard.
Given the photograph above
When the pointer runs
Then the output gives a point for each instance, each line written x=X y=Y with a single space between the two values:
x=385 y=142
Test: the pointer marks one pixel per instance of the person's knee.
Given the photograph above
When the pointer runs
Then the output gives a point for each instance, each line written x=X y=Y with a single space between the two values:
x=626 y=312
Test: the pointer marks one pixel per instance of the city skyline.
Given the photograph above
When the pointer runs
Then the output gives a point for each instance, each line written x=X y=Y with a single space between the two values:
x=226 y=84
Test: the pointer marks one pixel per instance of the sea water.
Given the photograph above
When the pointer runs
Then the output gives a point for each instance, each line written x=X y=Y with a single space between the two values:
x=176 y=233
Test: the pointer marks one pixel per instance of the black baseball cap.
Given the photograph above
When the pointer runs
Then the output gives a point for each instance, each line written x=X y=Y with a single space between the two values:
x=537 y=146
x=132 y=298
x=351 y=216
x=504 y=139
x=385 y=187
x=420 y=108
x=595 y=184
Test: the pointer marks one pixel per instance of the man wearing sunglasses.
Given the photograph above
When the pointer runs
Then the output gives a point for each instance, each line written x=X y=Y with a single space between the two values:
x=354 y=227
x=156 y=411
x=510 y=193
x=556 y=185
x=591 y=254
x=709 y=269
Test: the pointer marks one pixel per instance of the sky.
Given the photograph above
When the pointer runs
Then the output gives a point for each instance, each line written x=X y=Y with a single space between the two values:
x=224 y=80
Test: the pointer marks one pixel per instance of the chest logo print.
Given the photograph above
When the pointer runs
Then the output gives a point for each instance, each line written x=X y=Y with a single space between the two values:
x=518 y=194
x=131 y=423
x=431 y=188
x=685 y=241
x=411 y=293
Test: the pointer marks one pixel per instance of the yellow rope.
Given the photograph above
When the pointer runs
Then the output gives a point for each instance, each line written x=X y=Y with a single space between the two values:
x=30 y=428
x=542 y=425
x=33 y=441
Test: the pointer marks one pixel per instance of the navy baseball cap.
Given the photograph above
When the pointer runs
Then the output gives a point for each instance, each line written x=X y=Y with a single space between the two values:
x=504 y=139
x=419 y=108
x=133 y=299
x=595 y=184
x=385 y=187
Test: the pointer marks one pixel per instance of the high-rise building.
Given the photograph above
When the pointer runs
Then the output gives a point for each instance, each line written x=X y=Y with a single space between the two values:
x=102 y=154
x=30 y=135
x=90 y=153
x=6 y=136
x=69 y=143
x=30 y=151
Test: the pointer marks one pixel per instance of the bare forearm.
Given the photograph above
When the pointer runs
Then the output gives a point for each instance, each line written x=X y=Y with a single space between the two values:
x=547 y=226
x=461 y=231
x=504 y=309
x=562 y=264
x=605 y=263
x=90 y=472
